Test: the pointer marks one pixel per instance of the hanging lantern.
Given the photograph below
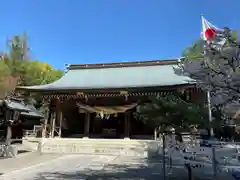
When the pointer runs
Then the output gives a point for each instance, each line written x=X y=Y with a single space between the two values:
x=181 y=90
x=124 y=92
x=107 y=116
x=81 y=94
x=101 y=114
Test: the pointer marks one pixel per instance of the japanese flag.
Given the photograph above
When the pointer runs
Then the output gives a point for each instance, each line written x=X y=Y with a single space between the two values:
x=212 y=34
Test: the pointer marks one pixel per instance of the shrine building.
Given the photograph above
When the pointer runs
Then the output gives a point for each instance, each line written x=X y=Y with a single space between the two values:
x=99 y=100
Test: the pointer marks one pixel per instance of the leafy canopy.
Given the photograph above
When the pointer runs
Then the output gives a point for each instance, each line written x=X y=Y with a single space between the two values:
x=17 y=62
x=216 y=71
x=172 y=110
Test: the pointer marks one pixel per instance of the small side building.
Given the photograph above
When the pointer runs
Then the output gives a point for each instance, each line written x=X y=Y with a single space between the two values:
x=24 y=116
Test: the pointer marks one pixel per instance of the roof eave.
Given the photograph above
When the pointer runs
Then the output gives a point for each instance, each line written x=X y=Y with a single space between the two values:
x=30 y=115
x=110 y=89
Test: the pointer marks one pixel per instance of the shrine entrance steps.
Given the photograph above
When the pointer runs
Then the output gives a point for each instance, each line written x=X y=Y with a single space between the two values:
x=123 y=147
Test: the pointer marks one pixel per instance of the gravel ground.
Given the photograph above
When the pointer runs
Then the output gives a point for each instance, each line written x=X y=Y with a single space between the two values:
x=24 y=160
x=92 y=167
x=88 y=167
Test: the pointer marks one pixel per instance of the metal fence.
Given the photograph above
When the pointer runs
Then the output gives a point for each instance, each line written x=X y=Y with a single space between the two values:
x=200 y=159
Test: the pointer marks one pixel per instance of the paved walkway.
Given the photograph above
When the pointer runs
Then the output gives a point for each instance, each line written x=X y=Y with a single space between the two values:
x=24 y=160
x=89 y=167
x=32 y=166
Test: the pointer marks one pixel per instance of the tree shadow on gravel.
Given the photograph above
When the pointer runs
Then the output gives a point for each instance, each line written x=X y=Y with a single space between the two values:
x=147 y=170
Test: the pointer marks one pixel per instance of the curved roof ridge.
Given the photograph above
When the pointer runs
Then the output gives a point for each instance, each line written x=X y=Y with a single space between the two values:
x=122 y=64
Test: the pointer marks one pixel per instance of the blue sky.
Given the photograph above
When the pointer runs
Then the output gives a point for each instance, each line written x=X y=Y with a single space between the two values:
x=94 y=31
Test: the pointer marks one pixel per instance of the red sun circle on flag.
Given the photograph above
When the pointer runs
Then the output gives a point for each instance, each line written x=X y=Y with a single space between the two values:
x=210 y=33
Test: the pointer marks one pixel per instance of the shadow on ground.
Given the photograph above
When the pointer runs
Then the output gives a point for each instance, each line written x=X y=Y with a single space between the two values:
x=146 y=170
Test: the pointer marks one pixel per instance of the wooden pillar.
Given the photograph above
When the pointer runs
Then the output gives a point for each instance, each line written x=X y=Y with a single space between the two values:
x=7 y=115
x=55 y=117
x=50 y=123
x=58 y=110
x=59 y=116
x=126 y=125
x=44 y=126
x=87 y=125
x=129 y=123
x=60 y=124
x=53 y=123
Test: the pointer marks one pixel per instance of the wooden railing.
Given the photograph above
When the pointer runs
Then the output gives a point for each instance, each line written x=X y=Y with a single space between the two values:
x=29 y=133
x=38 y=129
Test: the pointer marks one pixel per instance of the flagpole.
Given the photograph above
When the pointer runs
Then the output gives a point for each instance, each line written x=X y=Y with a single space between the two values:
x=208 y=97
x=209 y=109
x=210 y=112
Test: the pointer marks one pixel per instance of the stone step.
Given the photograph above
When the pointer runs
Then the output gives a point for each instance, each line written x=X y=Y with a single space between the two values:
x=102 y=141
x=106 y=149
x=86 y=148
x=33 y=143
x=98 y=145
x=144 y=148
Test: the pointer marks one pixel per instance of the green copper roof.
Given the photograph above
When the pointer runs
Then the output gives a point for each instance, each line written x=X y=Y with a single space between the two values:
x=26 y=110
x=15 y=105
x=33 y=112
x=83 y=78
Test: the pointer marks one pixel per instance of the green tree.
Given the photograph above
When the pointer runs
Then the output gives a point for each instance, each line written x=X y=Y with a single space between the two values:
x=18 y=47
x=171 y=110
x=4 y=74
x=195 y=51
x=37 y=73
x=18 y=53
x=18 y=68
x=21 y=64
x=217 y=71
x=4 y=71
